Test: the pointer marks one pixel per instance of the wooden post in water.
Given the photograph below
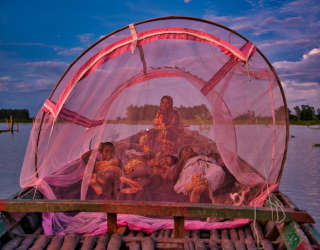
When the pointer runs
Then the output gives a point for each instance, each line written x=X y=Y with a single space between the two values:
x=17 y=127
x=7 y=121
x=11 y=124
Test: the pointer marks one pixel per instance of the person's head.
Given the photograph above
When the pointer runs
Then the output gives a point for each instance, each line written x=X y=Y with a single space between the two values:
x=107 y=150
x=166 y=103
x=168 y=160
x=186 y=153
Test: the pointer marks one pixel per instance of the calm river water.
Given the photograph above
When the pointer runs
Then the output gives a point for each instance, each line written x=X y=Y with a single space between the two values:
x=300 y=179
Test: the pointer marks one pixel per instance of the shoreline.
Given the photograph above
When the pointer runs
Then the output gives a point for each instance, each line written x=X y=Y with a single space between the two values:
x=190 y=122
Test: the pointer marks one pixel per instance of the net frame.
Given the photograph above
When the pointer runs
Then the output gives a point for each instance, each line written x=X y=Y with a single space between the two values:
x=168 y=18
x=174 y=72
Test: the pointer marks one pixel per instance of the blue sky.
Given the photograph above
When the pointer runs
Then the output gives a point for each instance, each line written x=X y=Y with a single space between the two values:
x=39 y=39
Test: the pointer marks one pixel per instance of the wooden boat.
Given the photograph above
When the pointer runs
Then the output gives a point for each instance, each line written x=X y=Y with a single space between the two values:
x=21 y=230
x=81 y=107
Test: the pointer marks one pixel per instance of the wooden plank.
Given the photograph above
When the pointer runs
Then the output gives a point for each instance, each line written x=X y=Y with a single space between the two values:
x=112 y=223
x=233 y=234
x=199 y=245
x=195 y=234
x=40 y=243
x=154 y=209
x=160 y=240
x=313 y=234
x=178 y=230
x=224 y=234
x=115 y=242
x=167 y=234
x=102 y=242
x=188 y=245
x=26 y=243
x=257 y=232
x=12 y=244
x=250 y=243
x=286 y=200
x=148 y=244
x=213 y=245
x=227 y=244
x=214 y=235
x=239 y=245
x=55 y=243
x=241 y=234
x=267 y=245
x=88 y=242
x=70 y=242
x=134 y=245
x=271 y=231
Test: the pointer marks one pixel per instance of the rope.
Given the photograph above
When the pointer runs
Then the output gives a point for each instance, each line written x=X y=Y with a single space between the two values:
x=134 y=37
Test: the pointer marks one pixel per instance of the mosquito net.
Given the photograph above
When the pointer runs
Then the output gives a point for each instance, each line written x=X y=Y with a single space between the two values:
x=169 y=109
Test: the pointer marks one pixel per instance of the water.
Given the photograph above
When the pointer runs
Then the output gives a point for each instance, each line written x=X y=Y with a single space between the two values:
x=300 y=179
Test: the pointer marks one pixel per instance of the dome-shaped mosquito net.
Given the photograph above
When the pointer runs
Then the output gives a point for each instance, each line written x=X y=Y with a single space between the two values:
x=170 y=109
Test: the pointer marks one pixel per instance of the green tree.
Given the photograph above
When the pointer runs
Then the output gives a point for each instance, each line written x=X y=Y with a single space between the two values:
x=298 y=112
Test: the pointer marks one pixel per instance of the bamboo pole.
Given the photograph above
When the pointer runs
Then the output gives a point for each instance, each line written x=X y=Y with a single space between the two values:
x=11 y=123
x=7 y=121
x=146 y=208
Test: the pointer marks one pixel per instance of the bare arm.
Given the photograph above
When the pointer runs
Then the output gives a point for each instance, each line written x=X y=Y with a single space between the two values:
x=174 y=172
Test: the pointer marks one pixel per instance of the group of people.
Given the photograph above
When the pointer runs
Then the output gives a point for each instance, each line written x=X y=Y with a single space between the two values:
x=160 y=172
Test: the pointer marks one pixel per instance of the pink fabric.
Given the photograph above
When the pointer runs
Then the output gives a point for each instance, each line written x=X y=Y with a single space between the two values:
x=228 y=49
x=133 y=222
x=248 y=49
x=68 y=115
x=225 y=104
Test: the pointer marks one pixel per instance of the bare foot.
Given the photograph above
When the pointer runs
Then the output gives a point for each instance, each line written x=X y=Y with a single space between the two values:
x=97 y=189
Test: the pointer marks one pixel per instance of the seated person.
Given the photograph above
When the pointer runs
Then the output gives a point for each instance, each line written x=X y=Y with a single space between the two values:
x=197 y=174
x=145 y=179
x=107 y=171
x=136 y=176
x=161 y=166
x=167 y=122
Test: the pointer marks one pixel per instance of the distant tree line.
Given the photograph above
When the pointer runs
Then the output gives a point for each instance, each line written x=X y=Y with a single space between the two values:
x=17 y=114
x=304 y=113
x=148 y=113
x=251 y=116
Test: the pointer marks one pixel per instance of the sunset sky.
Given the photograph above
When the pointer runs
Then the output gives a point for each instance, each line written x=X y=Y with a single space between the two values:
x=39 y=39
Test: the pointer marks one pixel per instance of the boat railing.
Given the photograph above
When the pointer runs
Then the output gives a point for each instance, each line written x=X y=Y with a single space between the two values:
x=179 y=211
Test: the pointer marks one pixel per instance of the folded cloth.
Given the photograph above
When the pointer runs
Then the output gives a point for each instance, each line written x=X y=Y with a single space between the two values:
x=203 y=167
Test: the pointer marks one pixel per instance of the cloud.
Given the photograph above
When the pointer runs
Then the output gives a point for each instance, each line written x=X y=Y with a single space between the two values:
x=4 y=82
x=86 y=38
x=45 y=68
x=187 y=1
x=313 y=52
x=36 y=85
x=29 y=44
x=305 y=70
x=299 y=93
x=290 y=23
x=5 y=78
x=33 y=76
x=301 y=79
x=70 y=51
x=58 y=49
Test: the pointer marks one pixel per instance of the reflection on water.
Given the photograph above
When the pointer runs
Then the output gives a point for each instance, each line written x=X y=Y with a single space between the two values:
x=300 y=179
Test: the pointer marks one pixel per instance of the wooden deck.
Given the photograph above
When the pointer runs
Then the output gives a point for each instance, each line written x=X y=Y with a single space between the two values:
x=25 y=231
x=226 y=239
